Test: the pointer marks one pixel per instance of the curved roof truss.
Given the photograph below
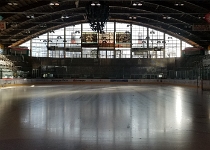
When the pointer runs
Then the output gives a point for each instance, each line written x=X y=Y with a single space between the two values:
x=180 y=20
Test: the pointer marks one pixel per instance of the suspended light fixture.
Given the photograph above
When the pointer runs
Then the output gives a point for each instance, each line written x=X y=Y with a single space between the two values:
x=132 y=17
x=166 y=17
x=97 y=15
x=12 y=3
x=137 y=4
x=64 y=17
x=30 y=16
x=54 y=4
x=179 y=4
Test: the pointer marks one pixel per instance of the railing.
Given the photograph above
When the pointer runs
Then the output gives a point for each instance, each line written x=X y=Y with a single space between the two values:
x=99 y=56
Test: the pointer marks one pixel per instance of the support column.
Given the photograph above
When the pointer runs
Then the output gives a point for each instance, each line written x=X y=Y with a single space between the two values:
x=147 y=39
x=164 y=45
x=30 y=49
x=64 y=42
x=114 y=39
x=97 y=46
x=47 y=44
x=131 y=40
x=180 y=48
x=1 y=73
x=81 y=41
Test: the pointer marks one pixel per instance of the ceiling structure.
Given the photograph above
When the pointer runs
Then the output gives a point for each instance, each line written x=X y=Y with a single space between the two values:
x=26 y=19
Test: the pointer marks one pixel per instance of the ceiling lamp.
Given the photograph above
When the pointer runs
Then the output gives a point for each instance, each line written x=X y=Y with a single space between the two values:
x=166 y=17
x=30 y=16
x=64 y=16
x=179 y=4
x=152 y=32
x=132 y=17
x=95 y=4
x=44 y=25
x=14 y=25
x=97 y=15
x=27 y=31
x=201 y=17
x=137 y=4
x=54 y=4
x=12 y=3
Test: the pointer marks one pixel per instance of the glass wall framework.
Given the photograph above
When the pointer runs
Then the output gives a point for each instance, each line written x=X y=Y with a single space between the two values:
x=39 y=46
x=119 y=40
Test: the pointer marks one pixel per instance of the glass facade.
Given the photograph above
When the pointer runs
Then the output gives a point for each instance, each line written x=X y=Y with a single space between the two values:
x=119 y=40
x=39 y=46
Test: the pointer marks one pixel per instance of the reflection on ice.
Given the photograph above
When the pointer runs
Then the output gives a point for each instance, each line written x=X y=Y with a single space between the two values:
x=100 y=114
x=178 y=105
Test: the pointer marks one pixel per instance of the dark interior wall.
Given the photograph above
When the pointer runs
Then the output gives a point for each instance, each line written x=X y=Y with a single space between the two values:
x=180 y=68
x=102 y=68
x=143 y=62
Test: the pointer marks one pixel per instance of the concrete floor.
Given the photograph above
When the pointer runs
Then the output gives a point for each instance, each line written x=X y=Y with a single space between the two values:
x=104 y=117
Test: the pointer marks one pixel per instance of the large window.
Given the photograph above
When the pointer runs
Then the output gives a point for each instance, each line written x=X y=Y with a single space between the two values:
x=139 y=37
x=119 y=40
x=56 y=43
x=172 y=46
x=39 y=46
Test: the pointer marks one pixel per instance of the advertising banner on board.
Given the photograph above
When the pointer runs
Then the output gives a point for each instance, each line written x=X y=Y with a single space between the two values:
x=2 y=25
x=201 y=27
x=207 y=17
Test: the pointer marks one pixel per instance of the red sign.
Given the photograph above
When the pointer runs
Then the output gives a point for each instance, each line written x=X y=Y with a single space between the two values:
x=201 y=27
x=2 y=25
x=207 y=17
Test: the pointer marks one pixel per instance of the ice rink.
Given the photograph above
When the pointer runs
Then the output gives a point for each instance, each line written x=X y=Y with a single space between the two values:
x=104 y=117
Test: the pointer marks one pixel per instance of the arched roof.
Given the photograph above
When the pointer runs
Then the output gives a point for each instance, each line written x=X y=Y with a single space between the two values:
x=183 y=15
